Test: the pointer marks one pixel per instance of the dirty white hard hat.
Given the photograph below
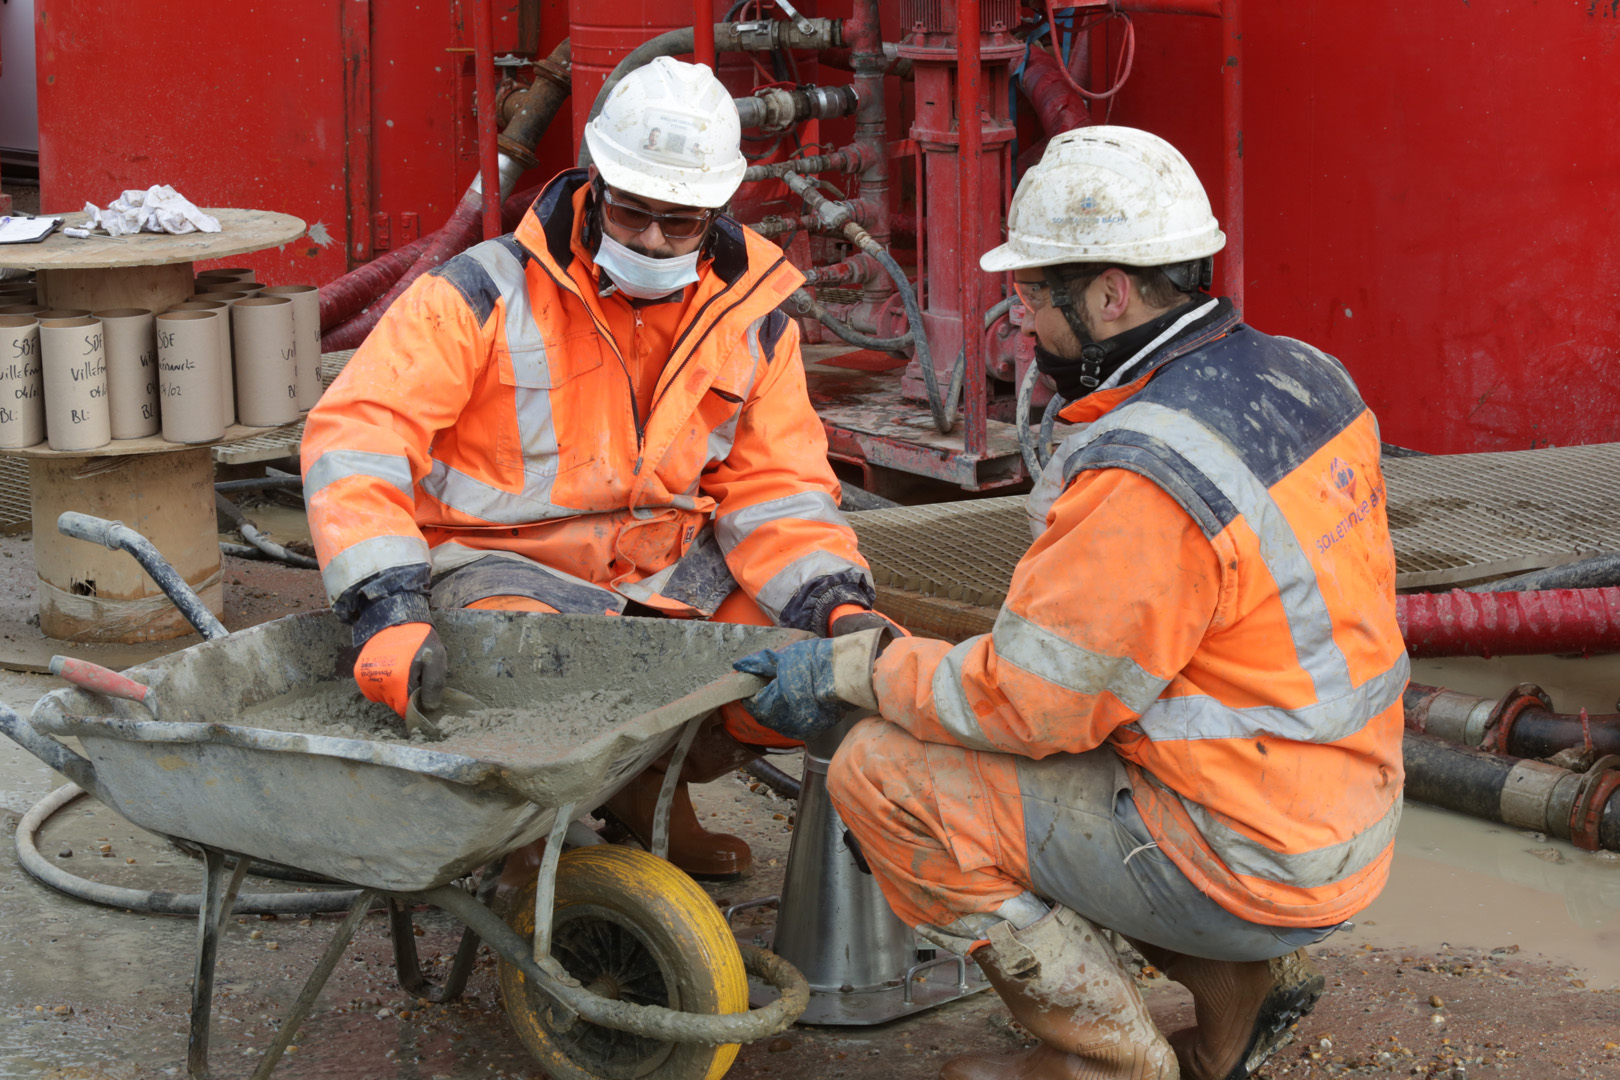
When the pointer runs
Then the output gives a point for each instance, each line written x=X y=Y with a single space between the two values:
x=1107 y=194
x=669 y=131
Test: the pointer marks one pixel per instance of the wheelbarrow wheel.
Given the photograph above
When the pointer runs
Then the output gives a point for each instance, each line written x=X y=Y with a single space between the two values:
x=631 y=927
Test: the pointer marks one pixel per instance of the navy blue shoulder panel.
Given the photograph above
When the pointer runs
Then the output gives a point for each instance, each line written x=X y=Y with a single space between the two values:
x=473 y=282
x=775 y=325
x=1273 y=401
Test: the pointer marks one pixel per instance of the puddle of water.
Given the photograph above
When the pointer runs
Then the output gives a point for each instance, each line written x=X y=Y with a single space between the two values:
x=1467 y=882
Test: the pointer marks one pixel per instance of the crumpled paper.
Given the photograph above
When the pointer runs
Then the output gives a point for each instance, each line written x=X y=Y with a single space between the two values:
x=157 y=209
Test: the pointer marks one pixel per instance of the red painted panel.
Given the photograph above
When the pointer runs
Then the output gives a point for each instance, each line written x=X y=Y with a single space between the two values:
x=235 y=104
x=1430 y=197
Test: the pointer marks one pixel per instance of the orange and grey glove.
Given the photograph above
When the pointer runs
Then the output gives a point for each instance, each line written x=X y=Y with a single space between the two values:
x=397 y=661
x=853 y=618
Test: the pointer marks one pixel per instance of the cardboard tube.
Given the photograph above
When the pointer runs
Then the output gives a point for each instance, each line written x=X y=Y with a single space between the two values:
x=22 y=393
x=75 y=370
x=266 y=373
x=189 y=367
x=21 y=309
x=63 y=313
x=228 y=273
x=132 y=377
x=306 y=301
x=227 y=375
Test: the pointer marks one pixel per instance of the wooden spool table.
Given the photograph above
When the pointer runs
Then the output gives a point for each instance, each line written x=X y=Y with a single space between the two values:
x=162 y=490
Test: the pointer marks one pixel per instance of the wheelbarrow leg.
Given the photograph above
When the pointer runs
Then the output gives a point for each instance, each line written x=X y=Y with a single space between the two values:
x=217 y=898
x=403 y=933
x=312 y=987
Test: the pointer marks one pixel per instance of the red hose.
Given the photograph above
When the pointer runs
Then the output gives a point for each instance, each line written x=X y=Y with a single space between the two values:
x=436 y=247
x=342 y=298
x=1056 y=103
x=1511 y=623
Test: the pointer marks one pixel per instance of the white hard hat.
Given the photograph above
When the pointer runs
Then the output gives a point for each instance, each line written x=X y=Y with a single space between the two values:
x=669 y=131
x=1107 y=194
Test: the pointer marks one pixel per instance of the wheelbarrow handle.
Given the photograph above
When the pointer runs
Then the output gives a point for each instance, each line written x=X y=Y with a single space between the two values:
x=102 y=680
x=75 y=768
x=118 y=536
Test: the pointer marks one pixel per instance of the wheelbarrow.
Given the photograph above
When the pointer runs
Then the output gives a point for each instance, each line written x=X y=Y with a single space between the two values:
x=612 y=964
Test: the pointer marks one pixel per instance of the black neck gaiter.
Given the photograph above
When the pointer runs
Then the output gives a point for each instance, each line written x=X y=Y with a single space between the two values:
x=1075 y=377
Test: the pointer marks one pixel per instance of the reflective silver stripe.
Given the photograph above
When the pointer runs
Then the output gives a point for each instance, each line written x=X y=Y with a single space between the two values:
x=724 y=437
x=1199 y=717
x=736 y=527
x=950 y=700
x=475 y=498
x=1057 y=660
x=359 y=561
x=335 y=465
x=531 y=393
x=796 y=574
x=1304 y=869
x=1309 y=622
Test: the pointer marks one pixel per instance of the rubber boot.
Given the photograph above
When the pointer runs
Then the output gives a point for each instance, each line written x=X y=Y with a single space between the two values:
x=1245 y=1011
x=1065 y=983
x=692 y=848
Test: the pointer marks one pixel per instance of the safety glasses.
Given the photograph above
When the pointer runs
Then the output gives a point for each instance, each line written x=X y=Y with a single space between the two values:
x=681 y=225
x=1035 y=295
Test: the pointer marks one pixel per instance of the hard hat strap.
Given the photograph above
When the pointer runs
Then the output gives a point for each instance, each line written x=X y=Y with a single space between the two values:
x=1089 y=372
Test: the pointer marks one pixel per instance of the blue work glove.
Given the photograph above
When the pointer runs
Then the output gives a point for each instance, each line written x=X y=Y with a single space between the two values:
x=813 y=683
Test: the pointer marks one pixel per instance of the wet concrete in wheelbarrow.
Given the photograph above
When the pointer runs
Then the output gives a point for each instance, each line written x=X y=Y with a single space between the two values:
x=1493 y=952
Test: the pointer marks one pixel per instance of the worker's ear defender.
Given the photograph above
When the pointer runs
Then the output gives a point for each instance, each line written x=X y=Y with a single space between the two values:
x=1194 y=274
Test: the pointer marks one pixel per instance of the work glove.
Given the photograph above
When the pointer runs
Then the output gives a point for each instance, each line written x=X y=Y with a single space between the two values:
x=814 y=682
x=852 y=619
x=397 y=661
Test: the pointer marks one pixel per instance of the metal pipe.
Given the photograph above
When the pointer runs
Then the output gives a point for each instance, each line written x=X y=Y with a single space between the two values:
x=976 y=441
x=484 y=88
x=864 y=29
x=703 y=44
x=1231 y=12
x=1519 y=723
x=1510 y=623
x=1057 y=106
x=847 y=159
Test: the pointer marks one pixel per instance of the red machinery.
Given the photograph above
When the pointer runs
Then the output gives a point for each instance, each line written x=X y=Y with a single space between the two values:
x=1418 y=191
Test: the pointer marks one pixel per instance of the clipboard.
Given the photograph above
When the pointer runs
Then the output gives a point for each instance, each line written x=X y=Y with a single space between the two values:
x=27 y=230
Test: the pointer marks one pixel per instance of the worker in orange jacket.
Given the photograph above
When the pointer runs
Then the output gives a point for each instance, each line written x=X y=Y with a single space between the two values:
x=603 y=413
x=1185 y=725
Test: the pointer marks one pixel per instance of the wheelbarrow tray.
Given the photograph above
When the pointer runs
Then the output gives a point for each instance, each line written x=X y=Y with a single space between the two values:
x=387 y=815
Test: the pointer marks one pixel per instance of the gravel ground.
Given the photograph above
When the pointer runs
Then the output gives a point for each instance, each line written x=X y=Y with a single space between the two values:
x=92 y=994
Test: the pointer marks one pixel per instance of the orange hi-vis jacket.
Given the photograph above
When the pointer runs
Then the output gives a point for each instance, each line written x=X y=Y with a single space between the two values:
x=1213 y=595
x=493 y=411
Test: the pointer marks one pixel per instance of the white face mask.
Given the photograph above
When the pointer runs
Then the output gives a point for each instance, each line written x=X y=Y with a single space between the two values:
x=643 y=276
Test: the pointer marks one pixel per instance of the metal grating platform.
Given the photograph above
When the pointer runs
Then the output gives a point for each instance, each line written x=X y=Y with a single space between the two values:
x=1454 y=520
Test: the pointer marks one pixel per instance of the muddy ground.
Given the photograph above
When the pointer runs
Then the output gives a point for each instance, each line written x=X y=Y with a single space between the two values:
x=1492 y=953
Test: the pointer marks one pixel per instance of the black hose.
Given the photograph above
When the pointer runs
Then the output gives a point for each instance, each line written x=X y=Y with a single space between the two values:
x=773 y=778
x=810 y=306
x=943 y=409
x=260 y=483
x=857 y=498
x=1598 y=572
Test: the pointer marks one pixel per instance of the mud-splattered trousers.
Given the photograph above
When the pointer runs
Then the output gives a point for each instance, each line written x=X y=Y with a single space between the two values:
x=1188 y=711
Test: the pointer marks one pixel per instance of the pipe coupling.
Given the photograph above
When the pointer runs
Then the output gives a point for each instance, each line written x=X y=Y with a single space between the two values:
x=765 y=35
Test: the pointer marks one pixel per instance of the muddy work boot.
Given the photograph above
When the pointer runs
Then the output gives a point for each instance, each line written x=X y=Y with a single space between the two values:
x=1065 y=983
x=692 y=848
x=1245 y=1011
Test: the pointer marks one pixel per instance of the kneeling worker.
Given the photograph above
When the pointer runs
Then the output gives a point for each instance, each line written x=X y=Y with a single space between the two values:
x=1185 y=725
x=601 y=413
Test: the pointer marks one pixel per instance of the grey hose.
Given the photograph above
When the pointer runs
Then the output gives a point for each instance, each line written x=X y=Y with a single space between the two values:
x=142 y=900
x=269 y=548
x=1598 y=572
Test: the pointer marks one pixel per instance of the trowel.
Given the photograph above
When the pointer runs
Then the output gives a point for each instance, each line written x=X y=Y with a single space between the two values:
x=426 y=720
